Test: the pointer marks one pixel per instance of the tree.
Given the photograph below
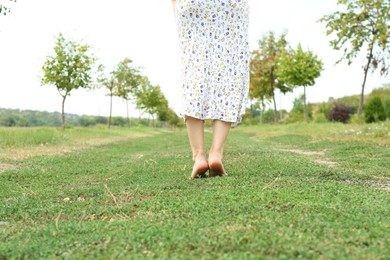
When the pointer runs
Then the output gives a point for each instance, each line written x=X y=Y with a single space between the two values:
x=110 y=83
x=365 y=26
x=4 y=9
x=68 y=69
x=128 y=79
x=150 y=99
x=264 y=68
x=300 y=68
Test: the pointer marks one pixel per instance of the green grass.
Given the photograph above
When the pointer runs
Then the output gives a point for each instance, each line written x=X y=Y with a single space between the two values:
x=22 y=137
x=132 y=198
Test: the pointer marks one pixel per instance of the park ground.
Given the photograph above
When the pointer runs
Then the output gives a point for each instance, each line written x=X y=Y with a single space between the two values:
x=312 y=191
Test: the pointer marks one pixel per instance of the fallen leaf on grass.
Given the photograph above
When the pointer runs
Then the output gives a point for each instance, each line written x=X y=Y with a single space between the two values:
x=104 y=216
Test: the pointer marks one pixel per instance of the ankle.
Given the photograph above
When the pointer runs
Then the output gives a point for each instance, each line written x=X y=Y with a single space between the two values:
x=215 y=154
x=199 y=156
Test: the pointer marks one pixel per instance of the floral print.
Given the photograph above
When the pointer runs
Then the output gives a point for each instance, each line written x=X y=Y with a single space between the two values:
x=213 y=37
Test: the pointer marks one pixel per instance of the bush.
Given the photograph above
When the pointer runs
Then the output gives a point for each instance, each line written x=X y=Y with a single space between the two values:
x=358 y=120
x=386 y=104
x=320 y=118
x=340 y=113
x=86 y=121
x=374 y=111
x=269 y=116
x=324 y=109
x=297 y=112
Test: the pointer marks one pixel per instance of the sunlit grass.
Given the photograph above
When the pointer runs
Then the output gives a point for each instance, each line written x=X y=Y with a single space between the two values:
x=375 y=133
x=19 y=143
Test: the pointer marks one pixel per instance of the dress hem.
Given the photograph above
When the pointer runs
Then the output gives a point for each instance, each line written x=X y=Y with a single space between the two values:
x=233 y=123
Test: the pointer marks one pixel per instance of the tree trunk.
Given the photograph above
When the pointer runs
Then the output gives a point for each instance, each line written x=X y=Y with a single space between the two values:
x=360 y=109
x=276 y=117
x=127 y=110
x=304 y=104
x=63 y=111
x=273 y=94
x=262 y=108
x=109 y=119
x=280 y=105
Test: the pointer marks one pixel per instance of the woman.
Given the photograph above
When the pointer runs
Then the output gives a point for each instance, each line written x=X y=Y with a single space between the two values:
x=213 y=37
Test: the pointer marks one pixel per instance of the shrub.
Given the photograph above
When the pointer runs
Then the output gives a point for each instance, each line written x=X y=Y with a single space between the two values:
x=358 y=120
x=324 y=108
x=297 y=112
x=386 y=104
x=340 y=113
x=269 y=116
x=320 y=118
x=374 y=110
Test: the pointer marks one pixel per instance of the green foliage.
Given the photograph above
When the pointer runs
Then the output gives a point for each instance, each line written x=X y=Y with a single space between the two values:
x=298 y=105
x=5 y=9
x=30 y=118
x=86 y=121
x=350 y=101
x=70 y=68
x=119 y=121
x=325 y=108
x=298 y=110
x=320 y=118
x=299 y=68
x=264 y=68
x=128 y=79
x=149 y=97
x=374 y=110
x=357 y=119
x=364 y=25
x=386 y=105
x=111 y=84
x=268 y=116
x=384 y=93
x=8 y=121
x=101 y=120
x=17 y=117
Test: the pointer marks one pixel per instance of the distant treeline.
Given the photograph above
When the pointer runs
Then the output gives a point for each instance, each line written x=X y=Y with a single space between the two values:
x=377 y=108
x=343 y=109
x=32 y=118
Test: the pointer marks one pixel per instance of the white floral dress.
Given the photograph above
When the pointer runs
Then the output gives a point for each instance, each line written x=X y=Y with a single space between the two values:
x=213 y=37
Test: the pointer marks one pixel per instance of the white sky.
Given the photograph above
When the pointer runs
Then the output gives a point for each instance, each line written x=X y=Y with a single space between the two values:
x=144 y=31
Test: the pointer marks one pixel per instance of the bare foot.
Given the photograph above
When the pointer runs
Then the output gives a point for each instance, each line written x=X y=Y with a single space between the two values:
x=200 y=169
x=216 y=167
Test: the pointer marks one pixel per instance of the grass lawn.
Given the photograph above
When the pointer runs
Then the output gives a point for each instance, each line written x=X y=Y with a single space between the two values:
x=293 y=191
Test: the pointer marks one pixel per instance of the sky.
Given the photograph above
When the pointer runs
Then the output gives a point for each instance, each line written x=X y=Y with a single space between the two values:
x=145 y=32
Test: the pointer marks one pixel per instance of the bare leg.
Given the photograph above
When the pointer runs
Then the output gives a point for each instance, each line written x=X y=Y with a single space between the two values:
x=220 y=132
x=195 y=129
